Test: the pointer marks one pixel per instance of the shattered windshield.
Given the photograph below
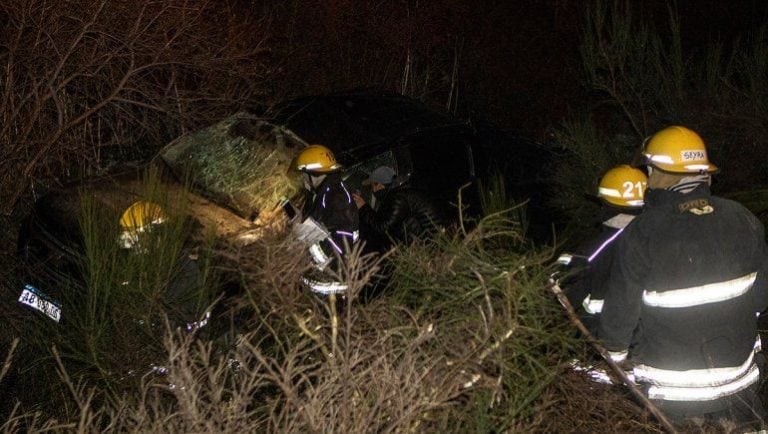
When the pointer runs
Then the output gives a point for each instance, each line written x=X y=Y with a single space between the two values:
x=241 y=162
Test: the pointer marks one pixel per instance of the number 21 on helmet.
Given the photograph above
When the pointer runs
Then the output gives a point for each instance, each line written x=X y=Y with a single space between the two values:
x=623 y=186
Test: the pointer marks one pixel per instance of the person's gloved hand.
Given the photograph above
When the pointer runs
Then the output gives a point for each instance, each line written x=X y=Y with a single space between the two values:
x=359 y=201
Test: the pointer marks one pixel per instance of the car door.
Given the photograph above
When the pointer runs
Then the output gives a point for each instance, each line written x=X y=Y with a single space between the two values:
x=443 y=163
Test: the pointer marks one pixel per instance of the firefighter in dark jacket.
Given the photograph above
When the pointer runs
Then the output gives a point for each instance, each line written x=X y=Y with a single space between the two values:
x=402 y=213
x=328 y=209
x=686 y=286
x=621 y=192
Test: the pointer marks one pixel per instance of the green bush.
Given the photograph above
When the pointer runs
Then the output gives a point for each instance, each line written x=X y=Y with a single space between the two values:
x=645 y=78
x=493 y=309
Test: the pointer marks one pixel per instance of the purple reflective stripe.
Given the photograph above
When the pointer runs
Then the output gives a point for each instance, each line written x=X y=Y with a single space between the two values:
x=346 y=234
x=335 y=246
x=608 y=241
x=326 y=191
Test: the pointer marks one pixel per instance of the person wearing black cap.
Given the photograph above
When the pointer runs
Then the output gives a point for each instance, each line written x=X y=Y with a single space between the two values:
x=401 y=215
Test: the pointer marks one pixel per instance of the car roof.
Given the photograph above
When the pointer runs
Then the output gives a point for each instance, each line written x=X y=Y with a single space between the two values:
x=353 y=122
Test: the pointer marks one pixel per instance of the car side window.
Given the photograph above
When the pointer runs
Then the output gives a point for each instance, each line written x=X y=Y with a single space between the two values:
x=355 y=174
x=443 y=163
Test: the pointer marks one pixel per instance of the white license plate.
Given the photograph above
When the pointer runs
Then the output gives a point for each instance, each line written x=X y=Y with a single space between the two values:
x=35 y=299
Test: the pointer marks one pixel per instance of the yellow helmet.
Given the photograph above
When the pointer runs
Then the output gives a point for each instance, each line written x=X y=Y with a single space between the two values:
x=623 y=186
x=316 y=159
x=678 y=149
x=138 y=218
x=140 y=215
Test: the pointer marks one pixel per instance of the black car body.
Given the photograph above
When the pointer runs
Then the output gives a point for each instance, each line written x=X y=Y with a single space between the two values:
x=365 y=129
x=433 y=151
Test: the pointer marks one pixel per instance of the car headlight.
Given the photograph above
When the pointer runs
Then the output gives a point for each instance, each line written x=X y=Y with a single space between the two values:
x=138 y=218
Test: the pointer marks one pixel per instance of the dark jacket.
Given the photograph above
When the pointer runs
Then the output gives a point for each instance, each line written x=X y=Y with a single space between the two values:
x=402 y=213
x=331 y=205
x=590 y=264
x=686 y=283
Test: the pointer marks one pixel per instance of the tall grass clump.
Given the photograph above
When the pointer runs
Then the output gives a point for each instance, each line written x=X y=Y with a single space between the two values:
x=7 y=362
x=494 y=200
x=584 y=153
x=493 y=313
x=624 y=57
x=118 y=305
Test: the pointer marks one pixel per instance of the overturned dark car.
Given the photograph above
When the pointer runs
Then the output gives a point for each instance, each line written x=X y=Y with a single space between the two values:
x=227 y=182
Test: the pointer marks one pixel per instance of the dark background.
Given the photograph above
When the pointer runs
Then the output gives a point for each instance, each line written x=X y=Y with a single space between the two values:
x=519 y=61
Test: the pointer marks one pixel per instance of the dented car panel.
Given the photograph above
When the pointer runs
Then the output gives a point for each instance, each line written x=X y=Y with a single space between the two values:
x=231 y=178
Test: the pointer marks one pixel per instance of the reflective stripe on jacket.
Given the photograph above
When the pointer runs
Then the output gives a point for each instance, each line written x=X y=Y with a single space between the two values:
x=683 y=293
x=332 y=206
x=587 y=288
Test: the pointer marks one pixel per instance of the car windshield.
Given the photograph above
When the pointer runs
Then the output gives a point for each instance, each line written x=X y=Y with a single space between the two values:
x=241 y=162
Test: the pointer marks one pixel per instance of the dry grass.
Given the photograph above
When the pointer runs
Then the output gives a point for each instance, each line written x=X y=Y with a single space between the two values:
x=464 y=340
x=483 y=353
x=565 y=408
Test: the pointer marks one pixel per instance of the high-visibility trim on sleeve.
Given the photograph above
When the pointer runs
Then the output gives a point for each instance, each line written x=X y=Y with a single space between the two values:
x=325 y=287
x=593 y=306
x=318 y=256
x=604 y=245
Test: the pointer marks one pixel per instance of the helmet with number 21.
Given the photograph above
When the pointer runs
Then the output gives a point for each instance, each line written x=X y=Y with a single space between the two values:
x=623 y=186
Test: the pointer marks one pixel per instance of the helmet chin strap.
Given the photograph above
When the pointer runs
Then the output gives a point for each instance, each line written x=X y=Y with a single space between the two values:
x=312 y=181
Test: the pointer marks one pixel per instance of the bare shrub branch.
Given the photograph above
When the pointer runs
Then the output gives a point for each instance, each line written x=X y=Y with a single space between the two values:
x=88 y=77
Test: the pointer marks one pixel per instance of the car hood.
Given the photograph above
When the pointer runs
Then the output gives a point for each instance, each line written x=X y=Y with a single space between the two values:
x=59 y=212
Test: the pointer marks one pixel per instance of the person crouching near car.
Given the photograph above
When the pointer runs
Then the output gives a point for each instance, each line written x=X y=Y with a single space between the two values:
x=687 y=282
x=329 y=213
x=586 y=270
x=402 y=213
